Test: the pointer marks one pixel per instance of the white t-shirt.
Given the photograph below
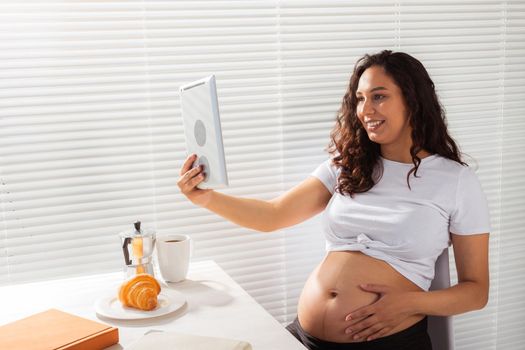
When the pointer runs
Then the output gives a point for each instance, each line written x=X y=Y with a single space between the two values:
x=408 y=229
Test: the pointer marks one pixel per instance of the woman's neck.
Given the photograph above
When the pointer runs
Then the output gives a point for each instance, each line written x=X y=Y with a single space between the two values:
x=402 y=157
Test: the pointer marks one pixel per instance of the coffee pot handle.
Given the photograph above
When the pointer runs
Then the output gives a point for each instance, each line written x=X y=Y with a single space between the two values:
x=127 y=241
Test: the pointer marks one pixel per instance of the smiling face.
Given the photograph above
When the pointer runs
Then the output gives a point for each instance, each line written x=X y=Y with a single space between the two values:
x=382 y=111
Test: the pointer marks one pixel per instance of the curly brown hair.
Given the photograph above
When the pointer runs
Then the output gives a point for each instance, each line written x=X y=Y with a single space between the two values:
x=356 y=155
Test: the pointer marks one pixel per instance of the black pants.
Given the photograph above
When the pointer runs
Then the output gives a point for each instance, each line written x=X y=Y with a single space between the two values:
x=413 y=338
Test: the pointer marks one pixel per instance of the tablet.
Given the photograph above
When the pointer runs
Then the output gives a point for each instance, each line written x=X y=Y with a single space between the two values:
x=202 y=130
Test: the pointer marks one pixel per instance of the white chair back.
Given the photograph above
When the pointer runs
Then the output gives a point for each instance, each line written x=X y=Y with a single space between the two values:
x=440 y=327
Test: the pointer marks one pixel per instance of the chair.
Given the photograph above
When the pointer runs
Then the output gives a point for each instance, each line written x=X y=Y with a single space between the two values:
x=440 y=327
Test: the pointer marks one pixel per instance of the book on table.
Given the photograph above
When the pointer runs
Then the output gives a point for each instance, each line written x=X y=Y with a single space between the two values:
x=160 y=340
x=57 y=330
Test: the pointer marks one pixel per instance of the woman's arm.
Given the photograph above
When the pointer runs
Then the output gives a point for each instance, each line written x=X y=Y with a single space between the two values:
x=294 y=206
x=472 y=290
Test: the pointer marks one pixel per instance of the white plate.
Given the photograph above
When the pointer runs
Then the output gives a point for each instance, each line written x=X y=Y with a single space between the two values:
x=169 y=301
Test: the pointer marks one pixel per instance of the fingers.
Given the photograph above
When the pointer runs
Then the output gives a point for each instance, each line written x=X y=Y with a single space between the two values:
x=187 y=164
x=383 y=332
x=190 y=179
x=358 y=326
x=375 y=288
x=364 y=328
x=356 y=320
x=371 y=332
x=361 y=313
x=197 y=179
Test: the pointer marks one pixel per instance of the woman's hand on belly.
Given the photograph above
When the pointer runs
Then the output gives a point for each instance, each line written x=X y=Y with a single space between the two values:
x=382 y=317
x=332 y=292
x=322 y=312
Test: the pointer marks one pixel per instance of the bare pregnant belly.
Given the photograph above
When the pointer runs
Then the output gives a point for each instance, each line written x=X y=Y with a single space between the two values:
x=332 y=292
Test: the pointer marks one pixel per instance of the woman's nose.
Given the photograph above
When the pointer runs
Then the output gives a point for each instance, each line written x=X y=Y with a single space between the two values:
x=367 y=107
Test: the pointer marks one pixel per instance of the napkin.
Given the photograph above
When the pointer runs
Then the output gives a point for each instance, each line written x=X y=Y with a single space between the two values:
x=159 y=340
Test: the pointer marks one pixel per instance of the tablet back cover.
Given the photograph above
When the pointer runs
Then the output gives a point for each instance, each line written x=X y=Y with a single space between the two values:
x=202 y=129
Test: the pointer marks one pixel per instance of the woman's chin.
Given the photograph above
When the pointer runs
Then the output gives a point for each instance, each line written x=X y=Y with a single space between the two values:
x=376 y=138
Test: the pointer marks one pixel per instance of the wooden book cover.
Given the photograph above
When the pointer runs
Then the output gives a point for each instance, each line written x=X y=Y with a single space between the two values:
x=56 y=330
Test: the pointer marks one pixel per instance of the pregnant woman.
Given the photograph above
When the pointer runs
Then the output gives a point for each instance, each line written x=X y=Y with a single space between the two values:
x=394 y=194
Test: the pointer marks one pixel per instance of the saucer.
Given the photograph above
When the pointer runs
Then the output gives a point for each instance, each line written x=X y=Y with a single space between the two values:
x=169 y=301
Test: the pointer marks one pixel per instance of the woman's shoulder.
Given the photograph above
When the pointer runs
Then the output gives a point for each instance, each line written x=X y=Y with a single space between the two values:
x=327 y=172
x=444 y=163
x=440 y=169
x=330 y=163
x=452 y=170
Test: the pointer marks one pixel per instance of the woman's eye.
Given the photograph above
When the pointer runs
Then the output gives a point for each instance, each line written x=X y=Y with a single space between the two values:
x=378 y=97
x=360 y=98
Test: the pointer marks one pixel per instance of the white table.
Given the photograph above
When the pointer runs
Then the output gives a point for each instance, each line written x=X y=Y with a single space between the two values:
x=216 y=306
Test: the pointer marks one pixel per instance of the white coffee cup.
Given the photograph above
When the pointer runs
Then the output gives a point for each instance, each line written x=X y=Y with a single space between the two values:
x=173 y=254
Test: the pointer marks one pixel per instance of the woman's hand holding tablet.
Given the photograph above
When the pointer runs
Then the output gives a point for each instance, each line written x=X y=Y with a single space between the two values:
x=188 y=181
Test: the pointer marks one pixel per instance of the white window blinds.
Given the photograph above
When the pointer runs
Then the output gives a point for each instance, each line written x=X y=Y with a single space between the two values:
x=91 y=136
x=75 y=140
x=511 y=242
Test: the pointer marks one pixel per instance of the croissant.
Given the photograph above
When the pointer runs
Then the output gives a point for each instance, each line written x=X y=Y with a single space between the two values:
x=140 y=292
